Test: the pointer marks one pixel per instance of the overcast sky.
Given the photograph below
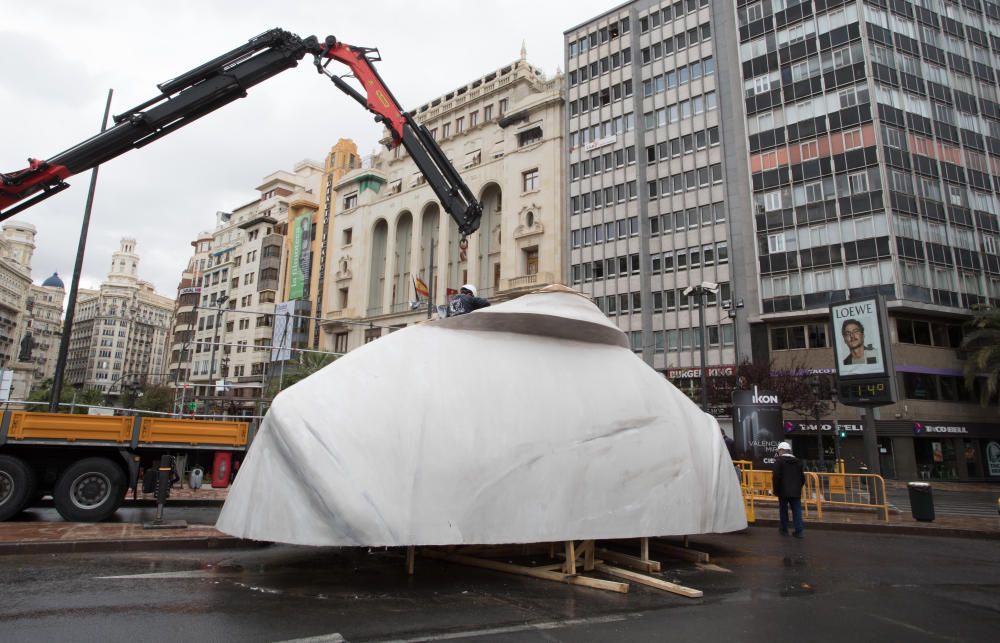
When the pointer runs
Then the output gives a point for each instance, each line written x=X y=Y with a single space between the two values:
x=61 y=57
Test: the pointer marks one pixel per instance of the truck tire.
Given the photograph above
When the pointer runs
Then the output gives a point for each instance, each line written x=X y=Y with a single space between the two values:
x=17 y=486
x=89 y=490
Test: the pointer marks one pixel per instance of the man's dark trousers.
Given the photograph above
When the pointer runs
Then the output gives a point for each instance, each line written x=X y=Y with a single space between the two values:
x=784 y=503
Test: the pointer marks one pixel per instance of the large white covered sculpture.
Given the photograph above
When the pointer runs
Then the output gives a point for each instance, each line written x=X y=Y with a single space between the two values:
x=529 y=421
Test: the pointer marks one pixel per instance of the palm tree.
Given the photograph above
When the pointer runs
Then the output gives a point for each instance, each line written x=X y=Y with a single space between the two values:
x=306 y=365
x=981 y=346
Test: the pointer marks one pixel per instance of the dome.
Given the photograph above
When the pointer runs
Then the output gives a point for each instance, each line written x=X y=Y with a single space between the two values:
x=54 y=282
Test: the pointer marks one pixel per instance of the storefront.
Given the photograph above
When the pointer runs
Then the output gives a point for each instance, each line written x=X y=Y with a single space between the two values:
x=908 y=450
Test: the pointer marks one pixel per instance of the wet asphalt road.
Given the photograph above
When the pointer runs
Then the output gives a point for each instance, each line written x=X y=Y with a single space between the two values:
x=831 y=586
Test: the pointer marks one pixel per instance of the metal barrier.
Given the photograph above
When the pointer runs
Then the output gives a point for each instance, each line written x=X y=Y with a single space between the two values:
x=853 y=490
x=850 y=490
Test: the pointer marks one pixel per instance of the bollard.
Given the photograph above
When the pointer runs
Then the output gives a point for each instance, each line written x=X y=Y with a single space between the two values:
x=164 y=478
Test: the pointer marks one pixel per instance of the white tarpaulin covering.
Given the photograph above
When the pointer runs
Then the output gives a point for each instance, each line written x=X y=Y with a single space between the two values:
x=529 y=421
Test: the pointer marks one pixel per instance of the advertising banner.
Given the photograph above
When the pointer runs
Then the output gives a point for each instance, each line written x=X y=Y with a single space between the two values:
x=858 y=335
x=281 y=336
x=301 y=263
x=757 y=426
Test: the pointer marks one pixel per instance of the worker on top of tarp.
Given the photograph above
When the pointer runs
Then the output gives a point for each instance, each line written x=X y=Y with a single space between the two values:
x=466 y=301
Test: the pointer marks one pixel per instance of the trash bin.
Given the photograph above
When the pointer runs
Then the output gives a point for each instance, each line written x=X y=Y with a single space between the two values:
x=921 y=501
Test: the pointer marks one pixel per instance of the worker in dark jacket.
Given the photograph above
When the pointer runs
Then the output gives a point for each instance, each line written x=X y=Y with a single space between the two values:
x=466 y=301
x=787 y=481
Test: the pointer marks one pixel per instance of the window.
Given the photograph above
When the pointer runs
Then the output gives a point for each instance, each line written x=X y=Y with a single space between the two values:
x=473 y=119
x=853 y=139
x=809 y=150
x=858 y=182
x=446 y=130
x=487 y=115
x=351 y=201
x=459 y=124
x=503 y=106
x=347 y=236
x=529 y=180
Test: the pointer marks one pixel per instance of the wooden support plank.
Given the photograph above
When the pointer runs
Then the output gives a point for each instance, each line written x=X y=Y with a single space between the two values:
x=630 y=561
x=649 y=581
x=692 y=555
x=644 y=549
x=588 y=555
x=410 y=556
x=569 y=565
x=523 y=570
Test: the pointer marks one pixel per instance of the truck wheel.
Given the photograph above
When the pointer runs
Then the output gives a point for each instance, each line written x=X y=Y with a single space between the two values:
x=17 y=486
x=89 y=490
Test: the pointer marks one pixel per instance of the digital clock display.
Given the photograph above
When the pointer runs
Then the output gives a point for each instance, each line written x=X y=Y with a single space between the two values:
x=868 y=391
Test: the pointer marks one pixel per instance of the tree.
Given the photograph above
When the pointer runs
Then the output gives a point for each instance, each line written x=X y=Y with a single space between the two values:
x=794 y=386
x=156 y=398
x=303 y=367
x=981 y=346
x=85 y=397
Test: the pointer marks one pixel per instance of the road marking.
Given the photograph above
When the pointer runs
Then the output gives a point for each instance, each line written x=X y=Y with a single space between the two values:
x=194 y=573
x=549 y=625
x=322 y=638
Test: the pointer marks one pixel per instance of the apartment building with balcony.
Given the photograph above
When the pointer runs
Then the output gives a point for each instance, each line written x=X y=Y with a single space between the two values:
x=239 y=290
x=504 y=133
x=120 y=332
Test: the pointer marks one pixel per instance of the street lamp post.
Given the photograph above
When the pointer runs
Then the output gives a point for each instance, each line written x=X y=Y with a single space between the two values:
x=218 y=323
x=701 y=291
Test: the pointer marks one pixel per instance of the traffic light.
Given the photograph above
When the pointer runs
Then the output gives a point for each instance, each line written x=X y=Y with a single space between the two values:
x=842 y=433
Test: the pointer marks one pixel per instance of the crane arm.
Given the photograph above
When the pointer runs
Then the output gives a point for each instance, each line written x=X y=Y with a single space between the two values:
x=223 y=80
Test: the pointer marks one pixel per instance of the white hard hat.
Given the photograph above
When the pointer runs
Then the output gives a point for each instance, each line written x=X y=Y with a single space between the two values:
x=470 y=288
x=784 y=446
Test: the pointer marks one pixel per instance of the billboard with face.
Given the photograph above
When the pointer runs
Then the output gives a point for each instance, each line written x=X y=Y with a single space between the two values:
x=858 y=333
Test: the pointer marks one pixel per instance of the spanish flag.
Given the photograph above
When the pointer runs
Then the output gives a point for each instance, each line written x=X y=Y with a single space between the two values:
x=421 y=288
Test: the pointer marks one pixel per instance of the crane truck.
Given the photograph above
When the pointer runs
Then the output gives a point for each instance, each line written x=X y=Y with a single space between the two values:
x=87 y=463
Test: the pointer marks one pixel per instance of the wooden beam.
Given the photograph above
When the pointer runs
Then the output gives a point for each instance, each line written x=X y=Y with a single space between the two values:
x=588 y=555
x=630 y=561
x=644 y=550
x=523 y=570
x=410 y=556
x=569 y=565
x=692 y=555
x=649 y=581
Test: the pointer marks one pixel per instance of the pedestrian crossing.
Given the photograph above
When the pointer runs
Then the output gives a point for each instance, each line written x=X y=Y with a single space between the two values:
x=985 y=507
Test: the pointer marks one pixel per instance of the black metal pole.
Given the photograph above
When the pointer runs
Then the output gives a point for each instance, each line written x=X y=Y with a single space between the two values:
x=430 y=281
x=871 y=442
x=704 y=351
x=67 y=333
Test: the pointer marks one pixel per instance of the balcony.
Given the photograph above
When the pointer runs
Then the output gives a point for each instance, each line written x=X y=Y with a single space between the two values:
x=529 y=281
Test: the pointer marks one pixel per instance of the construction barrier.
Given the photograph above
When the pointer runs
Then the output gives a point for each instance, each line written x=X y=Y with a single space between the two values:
x=862 y=491
x=851 y=490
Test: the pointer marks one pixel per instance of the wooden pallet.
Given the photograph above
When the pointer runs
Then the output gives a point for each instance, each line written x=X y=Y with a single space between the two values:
x=577 y=559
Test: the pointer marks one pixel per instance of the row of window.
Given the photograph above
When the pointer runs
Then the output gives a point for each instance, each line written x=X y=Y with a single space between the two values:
x=605 y=197
x=661 y=262
x=680 y=110
x=601 y=133
x=670 y=12
x=596 y=38
x=603 y=66
x=827 y=280
x=677 y=77
x=687 y=144
x=601 y=98
x=690 y=180
x=608 y=231
x=684 y=339
x=824 y=234
x=666 y=301
x=473 y=120
x=602 y=163
x=689 y=218
x=676 y=43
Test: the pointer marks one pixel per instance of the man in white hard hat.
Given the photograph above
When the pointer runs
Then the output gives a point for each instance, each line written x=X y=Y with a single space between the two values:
x=787 y=480
x=466 y=301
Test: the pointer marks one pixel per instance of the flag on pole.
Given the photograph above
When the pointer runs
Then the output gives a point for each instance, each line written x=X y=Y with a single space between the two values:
x=421 y=288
